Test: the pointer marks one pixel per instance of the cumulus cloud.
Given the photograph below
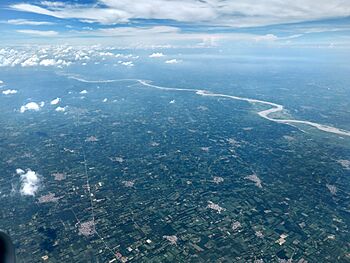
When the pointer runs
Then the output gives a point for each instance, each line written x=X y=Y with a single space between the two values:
x=29 y=182
x=83 y=91
x=9 y=91
x=31 y=106
x=107 y=54
x=30 y=62
x=20 y=171
x=55 y=101
x=60 y=109
x=57 y=56
x=126 y=56
x=126 y=63
x=47 y=62
x=53 y=62
x=156 y=55
x=173 y=61
x=1 y=82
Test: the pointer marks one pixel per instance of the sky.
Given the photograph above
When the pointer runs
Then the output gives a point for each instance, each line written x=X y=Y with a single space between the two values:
x=185 y=23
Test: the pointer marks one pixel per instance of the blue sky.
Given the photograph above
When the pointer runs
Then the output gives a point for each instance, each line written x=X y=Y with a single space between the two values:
x=321 y=23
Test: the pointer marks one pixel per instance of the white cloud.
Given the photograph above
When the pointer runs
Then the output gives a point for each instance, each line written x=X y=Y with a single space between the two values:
x=30 y=62
x=52 y=62
x=20 y=171
x=9 y=91
x=267 y=37
x=41 y=33
x=47 y=62
x=156 y=55
x=52 y=3
x=27 y=22
x=236 y=13
x=144 y=37
x=32 y=9
x=29 y=182
x=209 y=41
x=107 y=54
x=126 y=63
x=173 y=61
x=57 y=56
x=86 y=13
x=32 y=106
x=136 y=32
x=60 y=109
x=1 y=82
x=83 y=91
x=55 y=101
